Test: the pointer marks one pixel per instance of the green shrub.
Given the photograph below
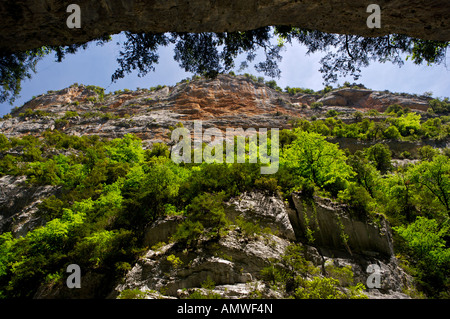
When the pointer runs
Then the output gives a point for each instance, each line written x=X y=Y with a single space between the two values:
x=127 y=149
x=405 y=155
x=175 y=261
x=132 y=294
x=380 y=156
x=158 y=149
x=332 y=113
x=427 y=153
x=273 y=84
x=357 y=197
x=60 y=123
x=70 y=114
x=409 y=124
x=205 y=216
x=392 y=133
x=316 y=105
x=4 y=143
x=265 y=183
x=319 y=288
x=249 y=229
x=358 y=116
x=424 y=240
x=98 y=90
x=439 y=106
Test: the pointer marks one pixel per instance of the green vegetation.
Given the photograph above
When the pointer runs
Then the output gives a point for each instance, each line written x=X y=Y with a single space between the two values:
x=34 y=113
x=98 y=90
x=439 y=106
x=296 y=277
x=398 y=125
x=110 y=190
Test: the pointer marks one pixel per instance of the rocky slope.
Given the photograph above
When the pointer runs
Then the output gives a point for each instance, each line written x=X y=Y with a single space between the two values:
x=235 y=261
x=225 y=102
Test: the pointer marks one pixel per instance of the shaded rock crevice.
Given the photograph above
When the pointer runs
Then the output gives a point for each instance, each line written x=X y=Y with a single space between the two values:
x=333 y=225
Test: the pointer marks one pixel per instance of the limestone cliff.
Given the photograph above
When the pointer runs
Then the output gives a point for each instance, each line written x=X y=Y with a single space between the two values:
x=233 y=262
x=227 y=101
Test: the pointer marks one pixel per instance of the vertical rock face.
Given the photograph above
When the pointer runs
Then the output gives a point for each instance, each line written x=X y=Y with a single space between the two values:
x=267 y=210
x=333 y=225
x=18 y=204
x=234 y=261
x=29 y=24
x=161 y=230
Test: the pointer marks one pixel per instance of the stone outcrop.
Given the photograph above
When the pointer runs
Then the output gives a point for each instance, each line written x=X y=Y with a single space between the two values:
x=19 y=204
x=234 y=261
x=333 y=225
x=161 y=230
x=368 y=99
x=265 y=209
x=29 y=24
x=225 y=102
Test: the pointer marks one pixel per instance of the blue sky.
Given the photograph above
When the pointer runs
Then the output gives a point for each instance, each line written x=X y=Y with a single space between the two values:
x=95 y=65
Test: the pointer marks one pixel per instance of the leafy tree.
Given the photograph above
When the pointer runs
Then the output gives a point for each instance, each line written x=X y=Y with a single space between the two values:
x=205 y=216
x=400 y=196
x=198 y=52
x=352 y=52
x=126 y=149
x=380 y=156
x=440 y=106
x=425 y=242
x=16 y=67
x=434 y=177
x=393 y=108
x=408 y=124
x=427 y=153
x=158 y=149
x=392 y=133
x=365 y=173
x=358 y=198
x=213 y=53
x=312 y=157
